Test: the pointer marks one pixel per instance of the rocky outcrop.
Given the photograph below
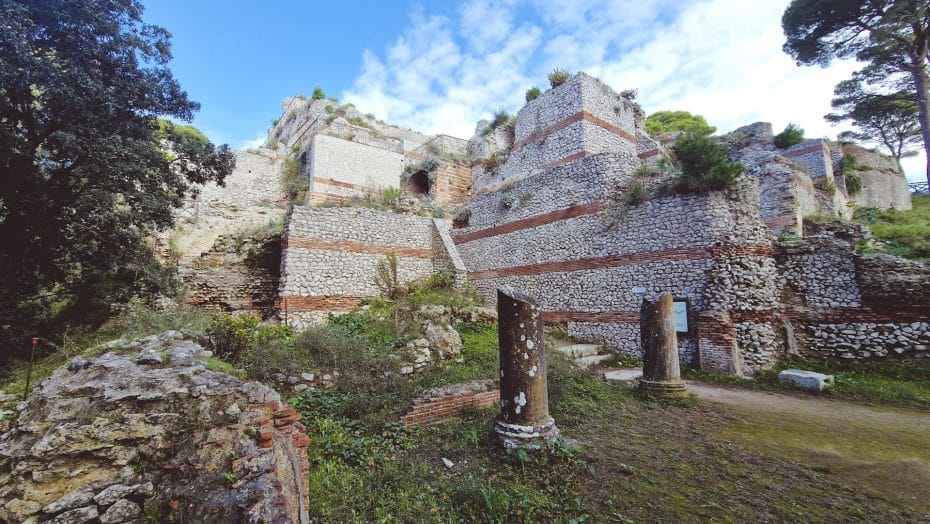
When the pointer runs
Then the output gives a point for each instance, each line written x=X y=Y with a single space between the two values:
x=146 y=432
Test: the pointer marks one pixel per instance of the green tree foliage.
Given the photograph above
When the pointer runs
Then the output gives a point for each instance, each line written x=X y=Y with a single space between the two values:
x=318 y=93
x=791 y=136
x=88 y=170
x=892 y=36
x=889 y=119
x=669 y=121
x=704 y=165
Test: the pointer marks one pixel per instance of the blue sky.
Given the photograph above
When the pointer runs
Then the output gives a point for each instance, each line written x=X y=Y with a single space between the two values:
x=439 y=66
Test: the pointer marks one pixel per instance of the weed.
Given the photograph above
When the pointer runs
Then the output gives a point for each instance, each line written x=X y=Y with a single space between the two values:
x=558 y=77
x=533 y=93
x=902 y=233
x=791 y=136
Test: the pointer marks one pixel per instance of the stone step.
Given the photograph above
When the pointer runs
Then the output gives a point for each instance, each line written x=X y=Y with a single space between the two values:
x=590 y=360
x=625 y=376
x=579 y=350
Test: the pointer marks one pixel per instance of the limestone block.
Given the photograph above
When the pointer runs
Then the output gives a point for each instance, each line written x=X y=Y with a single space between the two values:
x=806 y=379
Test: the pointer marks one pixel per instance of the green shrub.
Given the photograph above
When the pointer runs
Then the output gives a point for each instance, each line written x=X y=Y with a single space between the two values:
x=358 y=121
x=295 y=185
x=318 y=93
x=533 y=93
x=636 y=193
x=791 y=136
x=233 y=335
x=558 y=77
x=704 y=165
x=501 y=119
x=853 y=184
x=683 y=121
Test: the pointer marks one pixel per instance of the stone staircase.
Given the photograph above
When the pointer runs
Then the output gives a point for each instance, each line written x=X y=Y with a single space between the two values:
x=584 y=355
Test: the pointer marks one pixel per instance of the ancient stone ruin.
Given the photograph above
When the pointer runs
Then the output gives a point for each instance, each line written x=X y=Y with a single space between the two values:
x=524 y=419
x=146 y=432
x=543 y=204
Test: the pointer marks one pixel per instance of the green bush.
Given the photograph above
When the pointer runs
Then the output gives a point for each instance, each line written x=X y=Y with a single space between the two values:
x=683 y=121
x=853 y=184
x=558 y=77
x=318 y=93
x=636 y=193
x=533 y=93
x=295 y=185
x=231 y=336
x=704 y=165
x=791 y=136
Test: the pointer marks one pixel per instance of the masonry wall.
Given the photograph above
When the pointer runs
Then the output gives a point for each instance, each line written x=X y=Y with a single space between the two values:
x=330 y=256
x=850 y=306
x=345 y=169
x=883 y=184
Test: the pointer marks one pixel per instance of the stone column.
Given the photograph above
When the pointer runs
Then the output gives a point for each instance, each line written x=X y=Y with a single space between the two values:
x=524 y=419
x=661 y=371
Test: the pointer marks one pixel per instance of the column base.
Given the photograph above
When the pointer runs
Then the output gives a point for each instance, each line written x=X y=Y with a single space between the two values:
x=665 y=388
x=509 y=436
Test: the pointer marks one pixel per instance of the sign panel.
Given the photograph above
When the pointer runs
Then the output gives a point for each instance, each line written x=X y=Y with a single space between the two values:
x=681 y=316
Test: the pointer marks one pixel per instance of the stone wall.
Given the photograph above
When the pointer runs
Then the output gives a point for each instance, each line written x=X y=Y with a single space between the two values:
x=330 y=257
x=146 y=432
x=883 y=184
x=853 y=306
x=345 y=169
x=239 y=273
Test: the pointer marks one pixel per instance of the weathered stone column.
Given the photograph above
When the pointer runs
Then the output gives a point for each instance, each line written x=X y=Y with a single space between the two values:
x=661 y=371
x=524 y=419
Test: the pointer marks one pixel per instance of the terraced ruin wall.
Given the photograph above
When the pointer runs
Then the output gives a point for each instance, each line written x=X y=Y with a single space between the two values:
x=330 y=257
x=339 y=169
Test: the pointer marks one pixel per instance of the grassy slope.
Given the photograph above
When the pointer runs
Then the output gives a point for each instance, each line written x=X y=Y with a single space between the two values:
x=906 y=233
x=638 y=460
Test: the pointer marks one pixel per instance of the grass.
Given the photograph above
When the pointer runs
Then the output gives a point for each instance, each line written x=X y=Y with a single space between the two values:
x=902 y=233
x=904 y=384
x=638 y=460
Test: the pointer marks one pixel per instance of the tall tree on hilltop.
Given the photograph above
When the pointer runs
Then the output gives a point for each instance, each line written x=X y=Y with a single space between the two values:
x=890 y=119
x=87 y=172
x=893 y=36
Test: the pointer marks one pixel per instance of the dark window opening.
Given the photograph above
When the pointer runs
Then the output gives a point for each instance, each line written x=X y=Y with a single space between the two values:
x=420 y=183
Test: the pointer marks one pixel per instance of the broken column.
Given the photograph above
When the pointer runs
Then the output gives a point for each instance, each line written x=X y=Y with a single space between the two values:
x=661 y=371
x=524 y=420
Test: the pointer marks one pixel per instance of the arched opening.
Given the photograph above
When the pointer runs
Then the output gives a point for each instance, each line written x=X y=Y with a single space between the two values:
x=419 y=183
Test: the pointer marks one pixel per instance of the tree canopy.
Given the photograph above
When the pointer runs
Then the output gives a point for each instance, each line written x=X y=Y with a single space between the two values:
x=670 y=121
x=889 y=119
x=892 y=36
x=88 y=169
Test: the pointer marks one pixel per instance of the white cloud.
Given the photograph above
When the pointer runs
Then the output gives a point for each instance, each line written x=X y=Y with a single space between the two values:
x=260 y=137
x=719 y=58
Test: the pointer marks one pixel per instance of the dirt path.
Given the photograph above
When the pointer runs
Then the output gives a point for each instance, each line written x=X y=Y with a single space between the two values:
x=878 y=448
x=826 y=410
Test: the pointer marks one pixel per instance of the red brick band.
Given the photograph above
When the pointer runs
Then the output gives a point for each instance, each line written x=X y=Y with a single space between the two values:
x=340 y=183
x=534 y=221
x=648 y=154
x=448 y=407
x=806 y=150
x=582 y=264
x=577 y=117
x=296 y=304
x=357 y=247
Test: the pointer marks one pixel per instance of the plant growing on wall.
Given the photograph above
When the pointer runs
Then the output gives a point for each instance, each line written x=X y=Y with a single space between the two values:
x=558 y=77
x=791 y=136
x=704 y=165
x=318 y=93
x=533 y=93
x=295 y=185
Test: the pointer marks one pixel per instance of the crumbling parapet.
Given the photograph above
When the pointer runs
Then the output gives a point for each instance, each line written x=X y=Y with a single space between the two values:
x=524 y=419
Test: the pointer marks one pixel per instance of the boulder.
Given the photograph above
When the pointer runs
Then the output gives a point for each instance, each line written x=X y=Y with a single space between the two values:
x=443 y=339
x=810 y=380
x=150 y=431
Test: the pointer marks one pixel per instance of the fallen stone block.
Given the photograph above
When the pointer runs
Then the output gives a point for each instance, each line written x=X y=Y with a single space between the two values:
x=810 y=380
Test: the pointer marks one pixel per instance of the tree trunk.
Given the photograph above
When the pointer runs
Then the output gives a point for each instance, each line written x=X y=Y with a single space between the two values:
x=922 y=82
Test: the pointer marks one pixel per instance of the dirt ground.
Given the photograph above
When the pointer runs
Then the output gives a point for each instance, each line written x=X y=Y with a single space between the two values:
x=883 y=450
